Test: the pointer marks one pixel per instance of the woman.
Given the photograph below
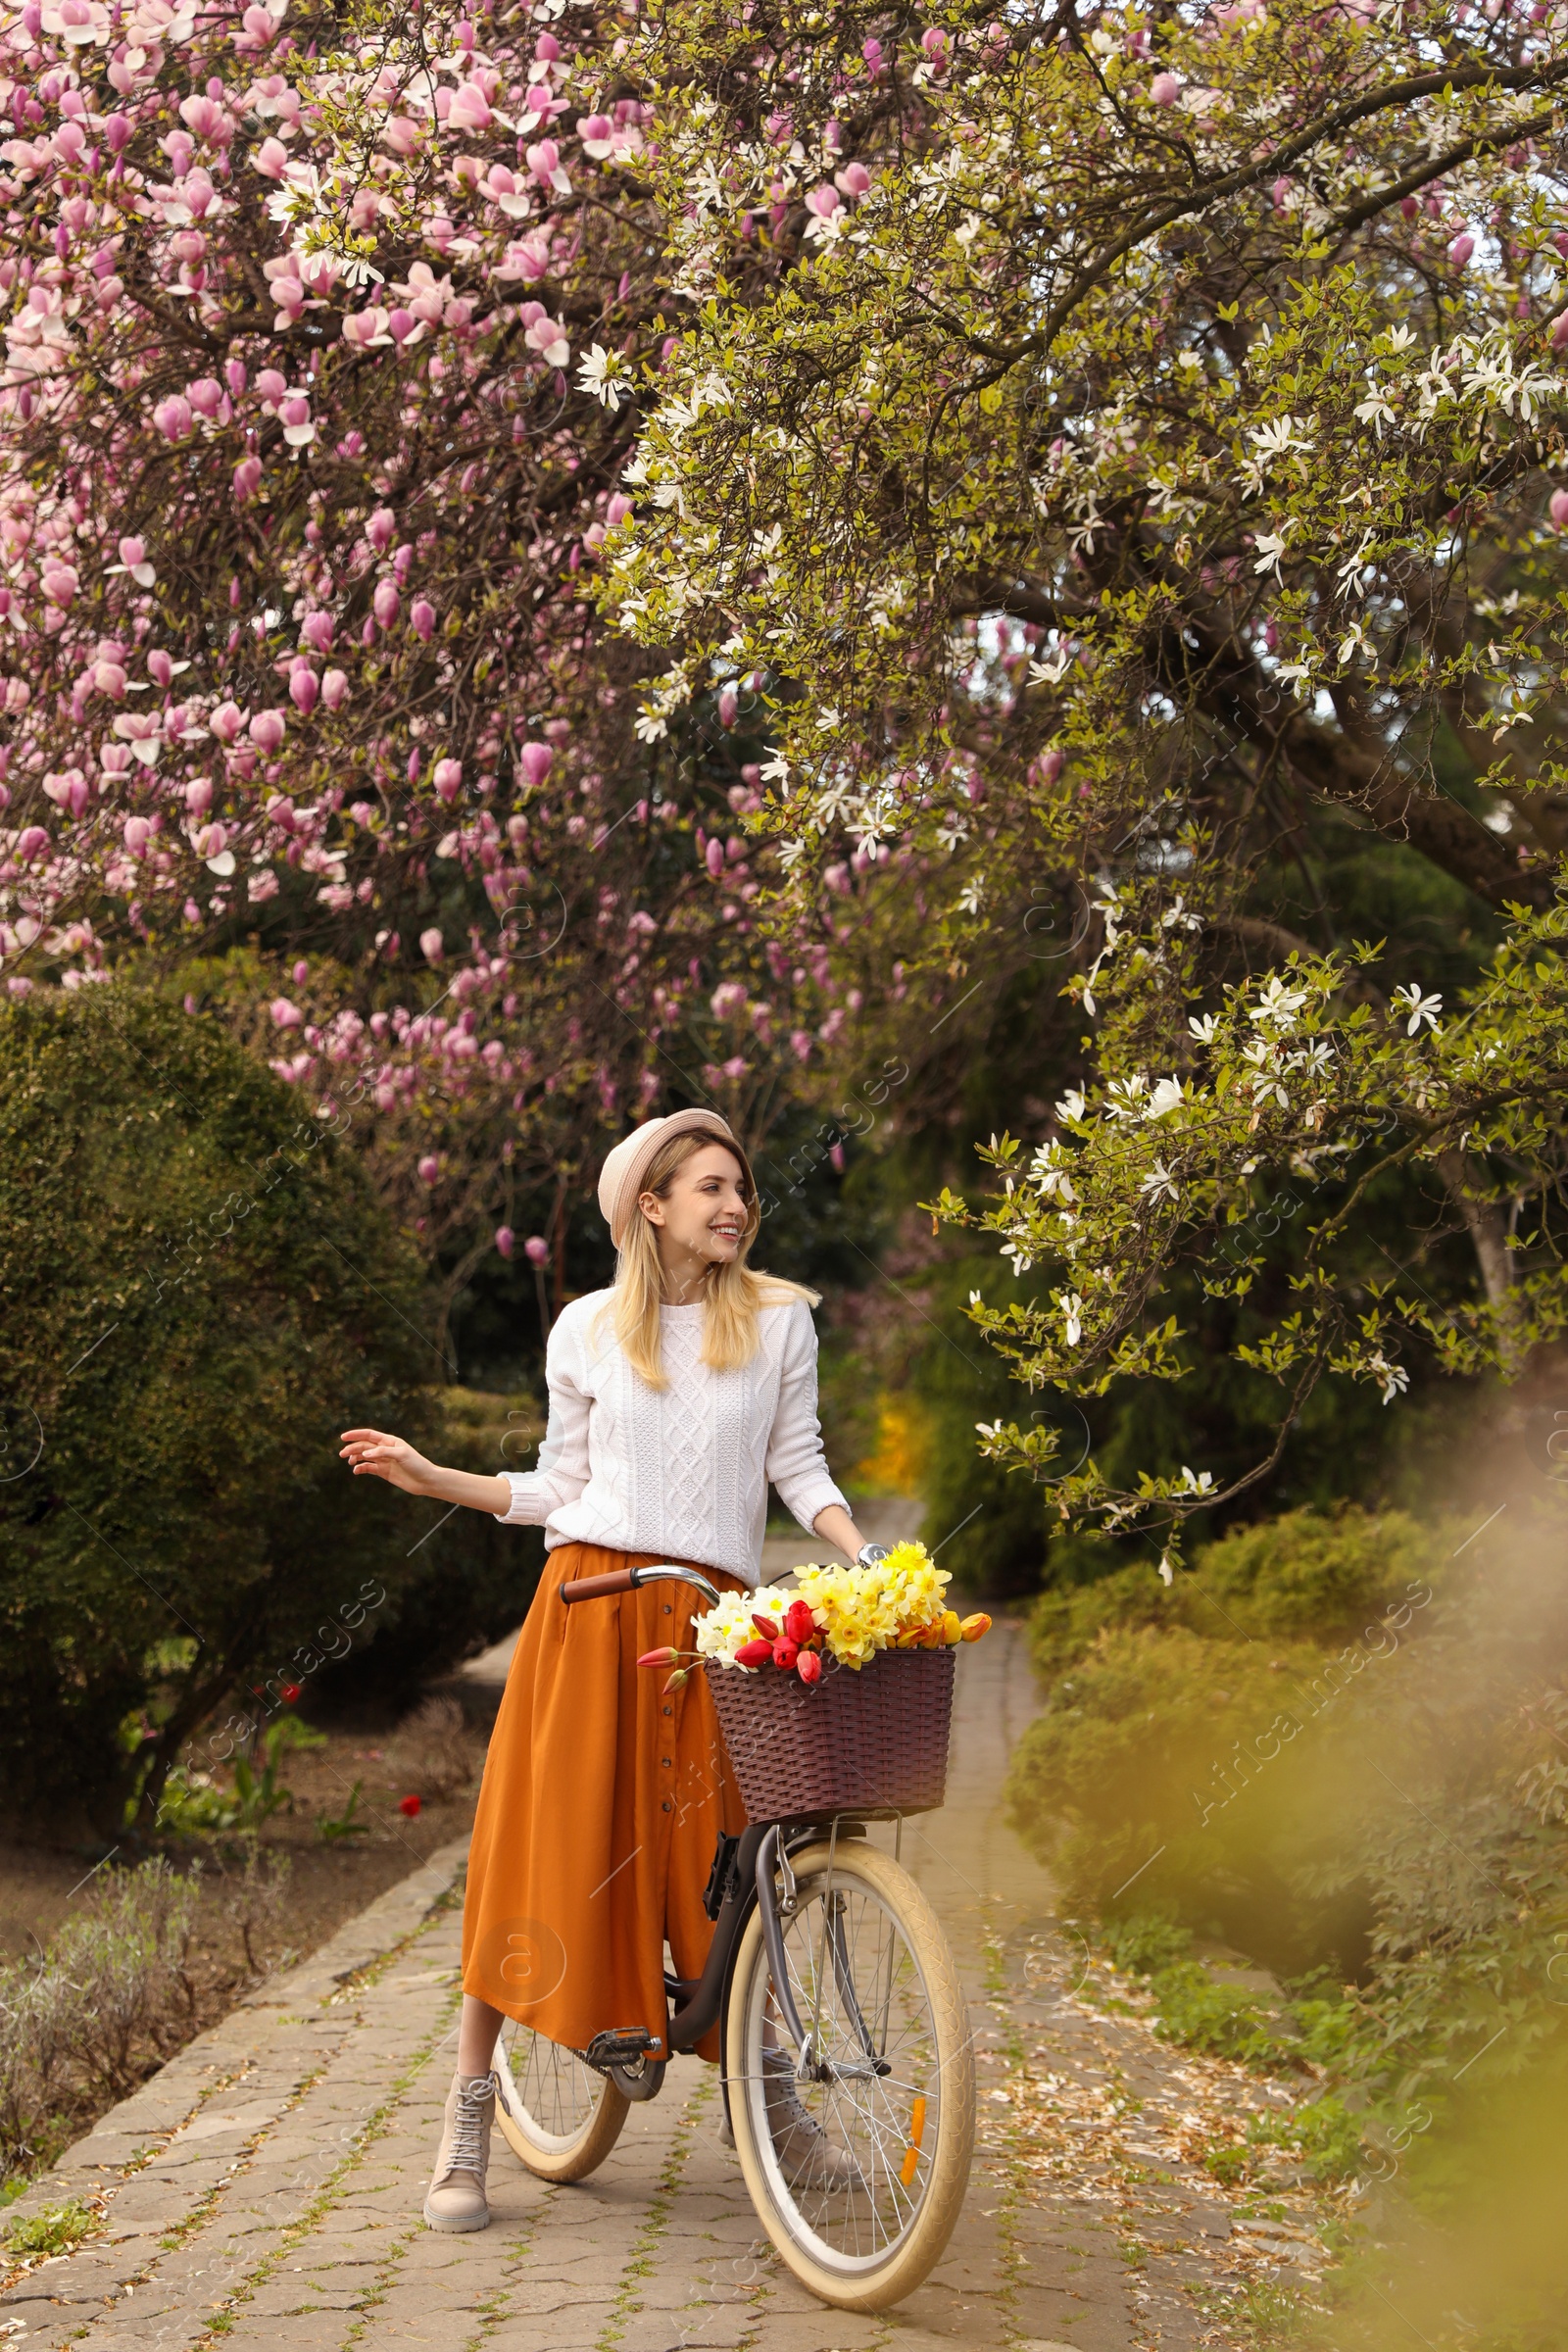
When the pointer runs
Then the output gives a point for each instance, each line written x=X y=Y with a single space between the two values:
x=674 y=1398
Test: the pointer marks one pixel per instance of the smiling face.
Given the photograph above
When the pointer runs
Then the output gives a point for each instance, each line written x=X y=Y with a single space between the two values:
x=702 y=1218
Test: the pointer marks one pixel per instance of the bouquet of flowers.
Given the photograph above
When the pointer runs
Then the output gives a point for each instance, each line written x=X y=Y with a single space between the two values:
x=843 y=1614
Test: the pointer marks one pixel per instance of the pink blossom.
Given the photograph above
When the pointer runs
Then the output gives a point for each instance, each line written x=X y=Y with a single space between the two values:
x=854 y=179
x=205 y=395
x=32 y=842
x=284 y=1015
x=303 y=688
x=823 y=200
x=226 y=721
x=447 y=778
x=470 y=109
x=172 y=416
x=334 y=687
x=1461 y=249
x=60 y=582
x=536 y=1250
x=271 y=159
x=422 y=618
x=504 y=1240
x=316 y=631
x=379 y=529
x=433 y=946
x=1559 y=510
x=429 y=1168
x=1559 y=332
x=544 y=162
x=199 y=795
x=267 y=730
x=247 y=478
x=728 y=706
x=713 y=859
x=137 y=833
x=535 y=759
x=1165 y=89
x=386 y=603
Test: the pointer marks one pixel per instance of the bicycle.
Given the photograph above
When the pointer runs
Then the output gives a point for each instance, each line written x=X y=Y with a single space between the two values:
x=846 y=2069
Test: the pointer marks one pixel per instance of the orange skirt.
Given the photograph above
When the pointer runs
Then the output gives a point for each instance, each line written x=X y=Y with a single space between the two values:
x=599 y=1814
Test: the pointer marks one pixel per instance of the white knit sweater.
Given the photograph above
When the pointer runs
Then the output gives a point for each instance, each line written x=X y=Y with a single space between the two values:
x=681 y=1471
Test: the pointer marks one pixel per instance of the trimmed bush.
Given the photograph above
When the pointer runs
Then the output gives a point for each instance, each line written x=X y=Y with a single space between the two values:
x=201 y=1290
x=1308 y=1575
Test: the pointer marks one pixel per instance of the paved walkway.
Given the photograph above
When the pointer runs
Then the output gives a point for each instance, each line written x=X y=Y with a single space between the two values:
x=264 y=2186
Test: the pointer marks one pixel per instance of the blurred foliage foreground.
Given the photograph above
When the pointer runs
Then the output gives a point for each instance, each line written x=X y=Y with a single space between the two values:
x=1340 y=1743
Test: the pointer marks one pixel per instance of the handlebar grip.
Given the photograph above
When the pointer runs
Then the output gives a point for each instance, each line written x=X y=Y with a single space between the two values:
x=600 y=1587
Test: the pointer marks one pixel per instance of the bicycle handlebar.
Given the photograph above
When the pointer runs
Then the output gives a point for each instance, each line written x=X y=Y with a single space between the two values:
x=631 y=1580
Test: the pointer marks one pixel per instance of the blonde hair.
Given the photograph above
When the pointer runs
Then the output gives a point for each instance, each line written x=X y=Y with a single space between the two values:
x=732 y=1294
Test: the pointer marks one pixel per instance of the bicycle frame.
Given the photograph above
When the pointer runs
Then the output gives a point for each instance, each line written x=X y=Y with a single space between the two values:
x=763 y=1846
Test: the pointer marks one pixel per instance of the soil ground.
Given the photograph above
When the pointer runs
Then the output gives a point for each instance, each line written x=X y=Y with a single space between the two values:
x=326 y=1885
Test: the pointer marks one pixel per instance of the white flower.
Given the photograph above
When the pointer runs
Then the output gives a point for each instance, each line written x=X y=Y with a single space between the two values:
x=1203 y=1029
x=1072 y=1314
x=776 y=771
x=1167 y=1096
x=971 y=897
x=975 y=1299
x=1395 y=1378
x=1167 y=1574
x=600 y=375
x=1271 y=547
x=651 y=728
x=1279 y=1003
x=1159 y=1183
x=1070 y=1109
x=1419 y=1007
x=1201 y=1482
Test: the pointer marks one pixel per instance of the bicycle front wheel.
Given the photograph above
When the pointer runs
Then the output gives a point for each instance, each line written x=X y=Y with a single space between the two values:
x=856 y=2176
x=558 y=2113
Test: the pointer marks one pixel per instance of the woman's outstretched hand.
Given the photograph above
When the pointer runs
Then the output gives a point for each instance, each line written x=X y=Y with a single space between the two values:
x=376 y=1454
x=373 y=1453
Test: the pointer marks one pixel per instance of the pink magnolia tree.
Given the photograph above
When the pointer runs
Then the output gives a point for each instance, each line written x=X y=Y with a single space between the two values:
x=317 y=392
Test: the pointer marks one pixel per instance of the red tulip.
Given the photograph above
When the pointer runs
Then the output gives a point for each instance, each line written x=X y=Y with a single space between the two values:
x=765 y=1625
x=754 y=1653
x=799 y=1623
x=785 y=1654
x=289 y=1692
x=408 y=1805
x=808 y=1666
x=658 y=1657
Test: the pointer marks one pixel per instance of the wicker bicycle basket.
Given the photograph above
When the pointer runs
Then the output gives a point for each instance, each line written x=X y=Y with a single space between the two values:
x=872 y=1740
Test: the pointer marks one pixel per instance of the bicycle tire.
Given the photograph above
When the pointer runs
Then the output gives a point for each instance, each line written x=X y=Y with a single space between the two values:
x=907 y=2025
x=559 y=2115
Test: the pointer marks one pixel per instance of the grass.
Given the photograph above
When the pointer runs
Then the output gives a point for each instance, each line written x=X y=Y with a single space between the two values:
x=55 y=2229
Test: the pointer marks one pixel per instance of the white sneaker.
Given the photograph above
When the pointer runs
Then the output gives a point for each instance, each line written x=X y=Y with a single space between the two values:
x=457 y=2197
x=806 y=2156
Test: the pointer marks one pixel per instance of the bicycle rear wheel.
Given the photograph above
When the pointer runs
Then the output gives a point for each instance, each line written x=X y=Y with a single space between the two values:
x=558 y=2113
x=858 y=2177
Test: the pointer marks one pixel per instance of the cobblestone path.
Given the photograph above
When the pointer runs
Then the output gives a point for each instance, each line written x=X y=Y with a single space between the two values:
x=264 y=2189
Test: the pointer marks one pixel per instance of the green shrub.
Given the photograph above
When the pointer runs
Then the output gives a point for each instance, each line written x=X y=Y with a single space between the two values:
x=1166 y=1776
x=1308 y=1576
x=85 y=2023
x=201 y=1292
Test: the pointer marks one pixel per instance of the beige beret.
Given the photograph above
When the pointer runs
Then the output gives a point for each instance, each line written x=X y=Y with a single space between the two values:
x=622 y=1176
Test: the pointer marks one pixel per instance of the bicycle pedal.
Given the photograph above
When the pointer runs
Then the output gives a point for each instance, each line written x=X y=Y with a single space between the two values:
x=622 y=2048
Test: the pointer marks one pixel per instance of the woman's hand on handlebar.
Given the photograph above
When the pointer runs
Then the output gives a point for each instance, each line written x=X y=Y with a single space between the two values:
x=376 y=1454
